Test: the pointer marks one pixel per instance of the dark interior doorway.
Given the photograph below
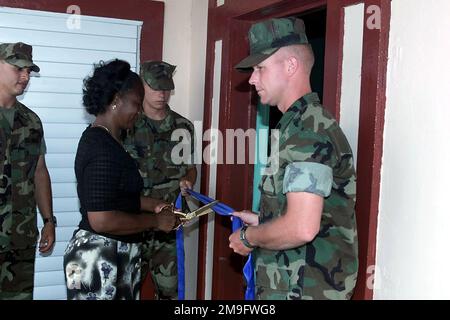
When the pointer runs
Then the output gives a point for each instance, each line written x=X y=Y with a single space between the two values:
x=315 y=23
x=236 y=184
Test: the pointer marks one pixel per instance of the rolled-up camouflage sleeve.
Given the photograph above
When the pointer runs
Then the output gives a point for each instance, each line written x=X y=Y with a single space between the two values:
x=309 y=177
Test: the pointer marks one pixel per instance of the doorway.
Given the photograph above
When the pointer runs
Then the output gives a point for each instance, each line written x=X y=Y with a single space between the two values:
x=268 y=117
x=234 y=185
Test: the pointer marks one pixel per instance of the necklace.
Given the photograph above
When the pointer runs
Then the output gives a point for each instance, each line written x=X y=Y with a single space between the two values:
x=107 y=130
x=103 y=127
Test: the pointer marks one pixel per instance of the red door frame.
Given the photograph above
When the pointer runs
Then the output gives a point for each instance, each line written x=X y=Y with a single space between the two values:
x=230 y=23
x=150 y=12
x=371 y=122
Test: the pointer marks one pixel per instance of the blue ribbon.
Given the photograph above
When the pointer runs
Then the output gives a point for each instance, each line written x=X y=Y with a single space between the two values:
x=180 y=255
x=223 y=210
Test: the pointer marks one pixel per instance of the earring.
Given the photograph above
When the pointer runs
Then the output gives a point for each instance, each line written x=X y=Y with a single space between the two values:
x=114 y=107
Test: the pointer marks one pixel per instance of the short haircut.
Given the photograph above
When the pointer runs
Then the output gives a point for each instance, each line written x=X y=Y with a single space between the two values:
x=304 y=53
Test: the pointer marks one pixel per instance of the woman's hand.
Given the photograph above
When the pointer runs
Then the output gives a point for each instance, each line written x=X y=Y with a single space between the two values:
x=166 y=220
x=159 y=206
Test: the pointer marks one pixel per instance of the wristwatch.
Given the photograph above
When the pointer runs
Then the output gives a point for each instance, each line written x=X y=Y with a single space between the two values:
x=52 y=219
x=244 y=239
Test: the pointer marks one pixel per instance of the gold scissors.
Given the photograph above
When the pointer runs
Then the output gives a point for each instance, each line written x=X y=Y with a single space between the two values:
x=185 y=217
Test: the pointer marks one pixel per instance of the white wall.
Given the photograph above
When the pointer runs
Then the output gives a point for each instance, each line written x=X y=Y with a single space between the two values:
x=351 y=74
x=184 y=44
x=413 y=235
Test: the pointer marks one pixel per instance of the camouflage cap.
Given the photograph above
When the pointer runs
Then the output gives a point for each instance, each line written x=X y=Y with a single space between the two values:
x=18 y=54
x=158 y=75
x=266 y=37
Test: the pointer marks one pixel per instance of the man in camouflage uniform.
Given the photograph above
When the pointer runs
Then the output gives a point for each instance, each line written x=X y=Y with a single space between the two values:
x=164 y=173
x=24 y=178
x=304 y=242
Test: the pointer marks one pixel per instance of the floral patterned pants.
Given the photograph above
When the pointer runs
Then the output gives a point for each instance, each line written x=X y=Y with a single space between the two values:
x=100 y=268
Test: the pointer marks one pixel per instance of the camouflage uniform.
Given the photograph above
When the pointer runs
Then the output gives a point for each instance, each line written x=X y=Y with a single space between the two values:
x=20 y=149
x=151 y=145
x=313 y=156
x=21 y=144
x=325 y=268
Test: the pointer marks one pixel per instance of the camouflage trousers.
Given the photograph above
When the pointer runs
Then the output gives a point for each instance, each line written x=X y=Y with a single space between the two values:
x=265 y=293
x=274 y=283
x=17 y=274
x=159 y=257
x=100 y=268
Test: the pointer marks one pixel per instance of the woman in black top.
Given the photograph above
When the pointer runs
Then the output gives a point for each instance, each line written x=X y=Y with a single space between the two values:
x=102 y=260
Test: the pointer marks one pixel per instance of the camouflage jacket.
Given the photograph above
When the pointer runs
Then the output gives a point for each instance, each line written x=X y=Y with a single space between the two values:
x=325 y=268
x=150 y=143
x=20 y=148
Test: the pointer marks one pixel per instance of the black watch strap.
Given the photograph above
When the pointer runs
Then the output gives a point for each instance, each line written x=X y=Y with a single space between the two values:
x=244 y=239
x=52 y=219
